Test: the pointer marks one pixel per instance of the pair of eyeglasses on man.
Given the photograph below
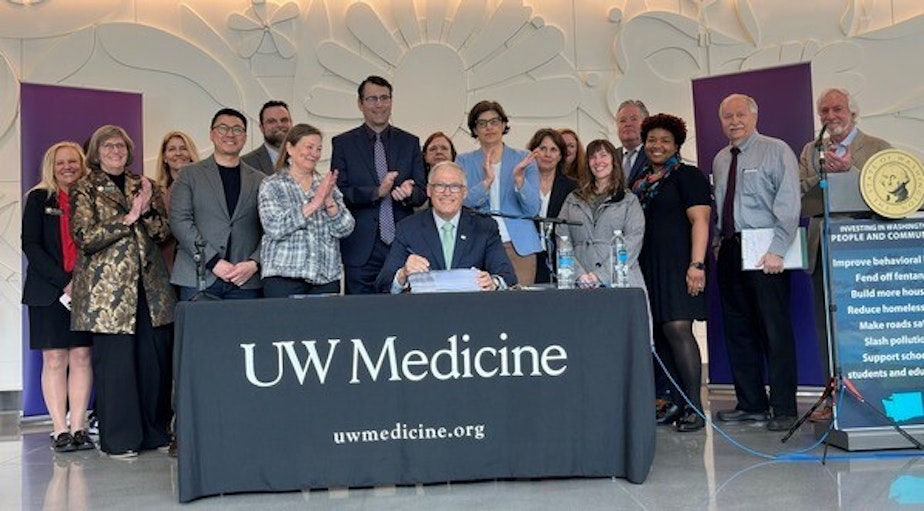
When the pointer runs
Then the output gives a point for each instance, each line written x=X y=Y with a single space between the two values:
x=224 y=129
x=493 y=122
x=443 y=187
x=371 y=100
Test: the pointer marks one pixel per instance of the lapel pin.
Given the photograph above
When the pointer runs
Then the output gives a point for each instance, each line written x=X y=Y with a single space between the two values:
x=462 y=236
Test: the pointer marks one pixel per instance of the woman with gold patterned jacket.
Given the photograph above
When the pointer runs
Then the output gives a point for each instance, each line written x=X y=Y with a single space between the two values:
x=121 y=293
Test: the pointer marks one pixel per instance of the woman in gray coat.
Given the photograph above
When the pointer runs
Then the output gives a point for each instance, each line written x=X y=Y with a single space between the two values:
x=601 y=205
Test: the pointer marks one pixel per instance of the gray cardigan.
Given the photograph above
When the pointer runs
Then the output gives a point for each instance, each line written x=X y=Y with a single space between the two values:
x=592 y=240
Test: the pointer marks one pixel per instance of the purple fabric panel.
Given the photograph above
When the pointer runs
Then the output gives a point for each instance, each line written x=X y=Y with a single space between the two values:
x=49 y=114
x=786 y=111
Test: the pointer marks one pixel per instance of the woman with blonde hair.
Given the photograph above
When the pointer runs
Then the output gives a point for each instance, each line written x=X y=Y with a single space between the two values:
x=52 y=255
x=177 y=150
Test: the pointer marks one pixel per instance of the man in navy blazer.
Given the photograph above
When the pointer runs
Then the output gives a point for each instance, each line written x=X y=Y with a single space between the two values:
x=377 y=204
x=629 y=117
x=418 y=247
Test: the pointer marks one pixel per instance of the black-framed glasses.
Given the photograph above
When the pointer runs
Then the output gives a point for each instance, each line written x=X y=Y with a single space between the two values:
x=224 y=129
x=493 y=122
x=371 y=100
x=443 y=187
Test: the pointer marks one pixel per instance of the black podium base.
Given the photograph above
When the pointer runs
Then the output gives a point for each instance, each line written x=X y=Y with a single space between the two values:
x=869 y=439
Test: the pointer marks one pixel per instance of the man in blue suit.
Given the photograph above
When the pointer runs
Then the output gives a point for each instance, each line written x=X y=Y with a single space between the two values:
x=382 y=180
x=632 y=157
x=445 y=237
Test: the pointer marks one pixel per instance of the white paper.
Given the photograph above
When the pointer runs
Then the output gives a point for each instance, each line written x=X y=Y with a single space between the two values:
x=755 y=242
x=65 y=301
x=445 y=281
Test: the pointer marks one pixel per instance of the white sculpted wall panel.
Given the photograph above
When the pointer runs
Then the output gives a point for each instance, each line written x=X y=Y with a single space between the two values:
x=549 y=62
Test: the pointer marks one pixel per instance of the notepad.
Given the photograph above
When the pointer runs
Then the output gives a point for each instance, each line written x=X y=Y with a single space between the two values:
x=755 y=242
x=445 y=281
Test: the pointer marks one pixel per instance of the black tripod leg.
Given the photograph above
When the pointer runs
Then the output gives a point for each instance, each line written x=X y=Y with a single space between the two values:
x=829 y=389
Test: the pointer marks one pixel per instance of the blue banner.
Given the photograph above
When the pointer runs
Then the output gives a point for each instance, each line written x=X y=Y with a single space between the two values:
x=877 y=270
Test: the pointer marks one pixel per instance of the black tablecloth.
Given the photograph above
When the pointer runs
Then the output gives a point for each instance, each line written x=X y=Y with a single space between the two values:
x=286 y=394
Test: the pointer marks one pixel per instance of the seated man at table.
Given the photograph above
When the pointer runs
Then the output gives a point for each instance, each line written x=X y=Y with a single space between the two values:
x=444 y=236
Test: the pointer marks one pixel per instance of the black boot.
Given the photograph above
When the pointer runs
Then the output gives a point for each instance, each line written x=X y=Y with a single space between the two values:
x=689 y=422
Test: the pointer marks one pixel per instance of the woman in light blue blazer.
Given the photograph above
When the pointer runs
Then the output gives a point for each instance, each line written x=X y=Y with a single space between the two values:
x=504 y=180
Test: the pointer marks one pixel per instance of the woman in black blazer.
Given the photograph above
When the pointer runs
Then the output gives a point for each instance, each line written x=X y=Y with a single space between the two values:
x=46 y=241
x=554 y=186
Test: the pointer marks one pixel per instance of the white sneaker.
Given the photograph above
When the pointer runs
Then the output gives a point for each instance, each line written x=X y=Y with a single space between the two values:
x=123 y=455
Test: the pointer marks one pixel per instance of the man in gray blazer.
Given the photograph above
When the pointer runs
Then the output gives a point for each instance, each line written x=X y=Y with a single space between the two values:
x=275 y=122
x=213 y=213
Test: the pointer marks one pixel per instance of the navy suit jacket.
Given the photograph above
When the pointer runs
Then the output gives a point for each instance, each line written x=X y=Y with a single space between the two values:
x=640 y=162
x=478 y=245
x=41 y=242
x=359 y=183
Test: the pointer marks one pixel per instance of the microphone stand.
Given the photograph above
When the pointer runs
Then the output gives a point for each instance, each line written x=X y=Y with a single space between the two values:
x=546 y=225
x=199 y=259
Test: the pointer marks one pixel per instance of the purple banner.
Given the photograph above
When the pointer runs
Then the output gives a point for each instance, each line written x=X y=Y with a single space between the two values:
x=786 y=110
x=49 y=114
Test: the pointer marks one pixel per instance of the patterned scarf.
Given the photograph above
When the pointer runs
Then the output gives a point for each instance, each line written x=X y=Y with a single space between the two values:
x=647 y=186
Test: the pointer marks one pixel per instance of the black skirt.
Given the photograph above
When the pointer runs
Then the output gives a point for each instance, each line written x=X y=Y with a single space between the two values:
x=50 y=328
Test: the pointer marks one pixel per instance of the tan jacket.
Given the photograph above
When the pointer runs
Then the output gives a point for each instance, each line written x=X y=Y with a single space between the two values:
x=862 y=148
x=114 y=256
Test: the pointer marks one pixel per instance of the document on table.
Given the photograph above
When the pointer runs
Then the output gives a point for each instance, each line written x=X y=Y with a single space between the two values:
x=755 y=242
x=445 y=281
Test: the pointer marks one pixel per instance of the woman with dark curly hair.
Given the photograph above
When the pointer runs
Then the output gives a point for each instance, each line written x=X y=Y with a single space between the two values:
x=677 y=204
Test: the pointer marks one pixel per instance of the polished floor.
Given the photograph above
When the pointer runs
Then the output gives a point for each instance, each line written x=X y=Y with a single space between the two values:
x=750 y=470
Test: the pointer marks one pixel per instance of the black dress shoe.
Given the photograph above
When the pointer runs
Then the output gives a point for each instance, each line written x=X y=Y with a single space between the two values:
x=673 y=412
x=741 y=416
x=691 y=421
x=781 y=423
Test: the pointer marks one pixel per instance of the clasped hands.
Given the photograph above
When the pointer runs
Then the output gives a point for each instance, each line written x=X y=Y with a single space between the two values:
x=323 y=196
x=141 y=204
x=237 y=274
x=398 y=193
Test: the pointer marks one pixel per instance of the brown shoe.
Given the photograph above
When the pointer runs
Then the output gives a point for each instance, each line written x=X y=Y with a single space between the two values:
x=822 y=414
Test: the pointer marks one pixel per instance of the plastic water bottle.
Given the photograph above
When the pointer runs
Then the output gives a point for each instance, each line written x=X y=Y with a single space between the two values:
x=620 y=260
x=565 y=263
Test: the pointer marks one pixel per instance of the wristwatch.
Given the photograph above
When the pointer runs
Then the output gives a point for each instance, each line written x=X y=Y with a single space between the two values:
x=698 y=265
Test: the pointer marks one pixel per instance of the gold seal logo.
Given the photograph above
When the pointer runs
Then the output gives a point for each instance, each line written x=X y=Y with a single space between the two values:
x=892 y=183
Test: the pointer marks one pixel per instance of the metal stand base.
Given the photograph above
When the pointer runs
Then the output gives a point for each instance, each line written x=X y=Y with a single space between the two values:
x=869 y=439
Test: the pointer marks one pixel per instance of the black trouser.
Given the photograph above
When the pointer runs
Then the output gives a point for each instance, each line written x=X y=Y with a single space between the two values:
x=132 y=375
x=283 y=287
x=758 y=327
x=360 y=280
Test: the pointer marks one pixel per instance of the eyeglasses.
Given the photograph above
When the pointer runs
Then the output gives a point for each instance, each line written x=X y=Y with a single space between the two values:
x=371 y=100
x=112 y=146
x=224 y=129
x=443 y=187
x=494 y=122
